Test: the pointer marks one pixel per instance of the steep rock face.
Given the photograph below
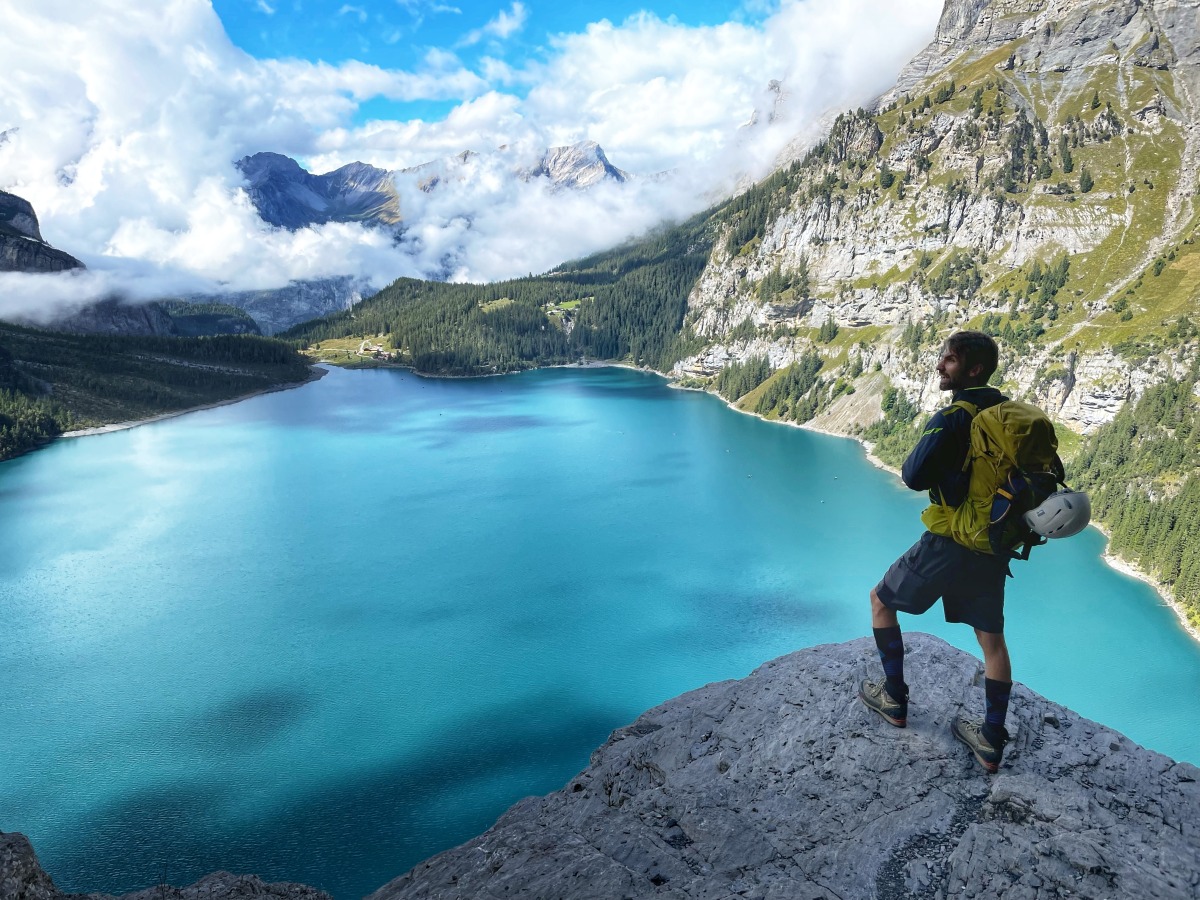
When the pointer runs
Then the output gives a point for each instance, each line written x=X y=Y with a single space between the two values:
x=21 y=246
x=17 y=215
x=782 y=785
x=115 y=317
x=279 y=309
x=1048 y=70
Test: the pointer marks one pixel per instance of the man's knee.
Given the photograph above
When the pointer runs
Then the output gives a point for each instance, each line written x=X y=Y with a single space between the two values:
x=991 y=641
x=877 y=606
x=882 y=616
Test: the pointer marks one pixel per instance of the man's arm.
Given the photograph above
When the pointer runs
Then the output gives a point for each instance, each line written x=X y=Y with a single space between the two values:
x=936 y=453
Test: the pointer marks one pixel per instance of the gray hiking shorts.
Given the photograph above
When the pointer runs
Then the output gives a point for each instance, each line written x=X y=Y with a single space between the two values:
x=970 y=584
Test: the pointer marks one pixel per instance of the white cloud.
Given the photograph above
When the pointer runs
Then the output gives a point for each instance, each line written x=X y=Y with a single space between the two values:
x=481 y=223
x=504 y=25
x=130 y=115
x=356 y=11
x=265 y=7
x=419 y=8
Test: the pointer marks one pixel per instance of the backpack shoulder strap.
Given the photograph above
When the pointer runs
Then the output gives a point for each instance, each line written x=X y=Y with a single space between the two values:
x=972 y=410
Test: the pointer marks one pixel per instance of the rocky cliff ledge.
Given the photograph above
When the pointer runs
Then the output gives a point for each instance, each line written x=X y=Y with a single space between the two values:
x=21 y=246
x=781 y=785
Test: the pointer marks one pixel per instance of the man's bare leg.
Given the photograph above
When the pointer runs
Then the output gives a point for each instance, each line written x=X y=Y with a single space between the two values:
x=996 y=664
x=883 y=617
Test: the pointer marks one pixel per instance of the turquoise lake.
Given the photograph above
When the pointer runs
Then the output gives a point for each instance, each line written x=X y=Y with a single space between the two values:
x=324 y=633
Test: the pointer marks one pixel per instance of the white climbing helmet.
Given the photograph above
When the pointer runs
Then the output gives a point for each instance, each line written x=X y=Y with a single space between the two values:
x=1061 y=515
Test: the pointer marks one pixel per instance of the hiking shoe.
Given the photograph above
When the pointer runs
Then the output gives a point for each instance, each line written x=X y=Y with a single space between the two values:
x=874 y=696
x=970 y=732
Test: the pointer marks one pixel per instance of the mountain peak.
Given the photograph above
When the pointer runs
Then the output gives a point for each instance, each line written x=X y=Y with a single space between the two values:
x=579 y=165
x=259 y=167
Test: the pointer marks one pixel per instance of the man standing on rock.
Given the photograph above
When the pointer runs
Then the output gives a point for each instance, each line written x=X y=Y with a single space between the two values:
x=969 y=584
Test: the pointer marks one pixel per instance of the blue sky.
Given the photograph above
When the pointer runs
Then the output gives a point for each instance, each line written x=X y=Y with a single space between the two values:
x=398 y=34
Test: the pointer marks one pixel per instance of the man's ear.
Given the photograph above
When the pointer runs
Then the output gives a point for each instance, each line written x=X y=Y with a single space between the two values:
x=975 y=371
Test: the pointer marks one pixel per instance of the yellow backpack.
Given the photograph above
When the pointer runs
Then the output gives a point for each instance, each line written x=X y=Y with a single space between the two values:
x=1013 y=465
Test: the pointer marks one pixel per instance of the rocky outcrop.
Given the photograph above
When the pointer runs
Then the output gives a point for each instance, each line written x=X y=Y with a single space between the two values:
x=22 y=878
x=21 y=246
x=782 y=785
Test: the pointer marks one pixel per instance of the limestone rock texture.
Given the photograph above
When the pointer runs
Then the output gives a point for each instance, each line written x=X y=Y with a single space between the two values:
x=782 y=785
x=576 y=166
x=861 y=245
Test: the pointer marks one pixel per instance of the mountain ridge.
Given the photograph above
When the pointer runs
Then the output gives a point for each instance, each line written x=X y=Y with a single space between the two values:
x=287 y=195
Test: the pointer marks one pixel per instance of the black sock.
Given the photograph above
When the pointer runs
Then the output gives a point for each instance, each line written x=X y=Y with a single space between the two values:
x=891 y=654
x=996 y=697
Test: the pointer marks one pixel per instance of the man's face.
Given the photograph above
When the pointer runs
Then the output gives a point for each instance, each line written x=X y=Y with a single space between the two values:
x=952 y=372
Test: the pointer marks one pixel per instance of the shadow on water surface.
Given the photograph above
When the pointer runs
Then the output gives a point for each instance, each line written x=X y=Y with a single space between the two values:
x=450 y=431
x=392 y=816
x=646 y=391
x=652 y=481
x=250 y=721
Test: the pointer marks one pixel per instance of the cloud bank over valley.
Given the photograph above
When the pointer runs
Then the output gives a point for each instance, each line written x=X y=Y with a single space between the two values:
x=123 y=121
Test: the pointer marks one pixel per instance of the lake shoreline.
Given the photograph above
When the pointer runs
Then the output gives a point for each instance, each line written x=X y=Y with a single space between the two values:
x=315 y=374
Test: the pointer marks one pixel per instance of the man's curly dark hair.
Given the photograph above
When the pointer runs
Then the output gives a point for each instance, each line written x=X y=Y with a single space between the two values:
x=975 y=348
